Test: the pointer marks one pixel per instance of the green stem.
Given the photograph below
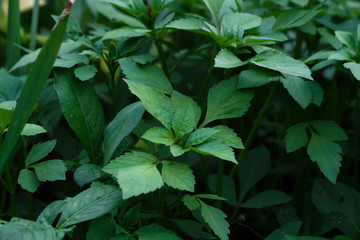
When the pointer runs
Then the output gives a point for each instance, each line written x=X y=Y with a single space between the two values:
x=162 y=57
x=253 y=130
x=34 y=24
x=205 y=83
x=13 y=33
x=219 y=181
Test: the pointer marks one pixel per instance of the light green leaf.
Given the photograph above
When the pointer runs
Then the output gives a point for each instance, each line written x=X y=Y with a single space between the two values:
x=10 y=86
x=326 y=154
x=156 y=103
x=136 y=173
x=354 y=68
x=191 y=24
x=299 y=89
x=147 y=75
x=154 y=232
x=291 y=228
x=330 y=38
x=87 y=173
x=244 y=20
x=183 y=122
x=177 y=150
x=178 y=175
x=50 y=170
x=159 y=135
x=228 y=136
x=280 y=62
x=190 y=202
x=8 y=105
x=296 y=137
x=225 y=101
x=200 y=136
x=214 y=6
x=125 y=32
x=216 y=220
x=180 y=101
x=121 y=126
x=102 y=228
x=226 y=59
x=28 y=180
x=253 y=166
x=267 y=199
x=347 y=39
x=90 y=204
x=39 y=151
x=216 y=148
x=32 y=130
x=82 y=110
x=209 y=196
x=256 y=78
x=329 y=130
x=85 y=72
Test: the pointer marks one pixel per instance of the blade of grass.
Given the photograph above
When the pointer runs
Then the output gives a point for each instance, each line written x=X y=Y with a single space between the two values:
x=13 y=33
x=34 y=24
x=34 y=84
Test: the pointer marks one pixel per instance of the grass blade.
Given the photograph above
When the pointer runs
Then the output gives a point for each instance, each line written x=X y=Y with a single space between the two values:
x=34 y=24
x=34 y=85
x=13 y=33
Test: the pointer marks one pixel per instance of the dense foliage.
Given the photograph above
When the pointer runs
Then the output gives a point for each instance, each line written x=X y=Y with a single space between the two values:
x=180 y=119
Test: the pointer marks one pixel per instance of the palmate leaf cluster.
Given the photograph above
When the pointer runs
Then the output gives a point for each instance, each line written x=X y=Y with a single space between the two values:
x=177 y=119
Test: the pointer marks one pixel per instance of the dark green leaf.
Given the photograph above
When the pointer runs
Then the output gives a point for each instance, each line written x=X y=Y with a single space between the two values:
x=329 y=130
x=39 y=151
x=28 y=180
x=154 y=231
x=267 y=199
x=85 y=72
x=291 y=228
x=296 y=137
x=50 y=170
x=101 y=229
x=299 y=89
x=87 y=173
x=216 y=220
x=256 y=78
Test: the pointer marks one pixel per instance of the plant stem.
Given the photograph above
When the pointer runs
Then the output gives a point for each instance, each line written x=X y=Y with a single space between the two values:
x=162 y=57
x=13 y=36
x=34 y=24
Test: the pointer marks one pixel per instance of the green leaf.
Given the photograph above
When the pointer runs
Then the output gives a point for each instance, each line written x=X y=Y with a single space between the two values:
x=39 y=151
x=32 y=130
x=50 y=170
x=226 y=59
x=33 y=87
x=354 y=68
x=125 y=32
x=180 y=101
x=225 y=101
x=183 y=122
x=90 y=204
x=318 y=93
x=256 y=78
x=156 y=103
x=87 y=173
x=228 y=188
x=303 y=238
x=28 y=180
x=200 y=136
x=228 y=136
x=291 y=228
x=329 y=130
x=136 y=173
x=253 y=166
x=101 y=229
x=192 y=229
x=154 y=232
x=326 y=154
x=177 y=150
x=13 y=33
x=330 y=38
x=178 y=175
x=159 y=135
x=280 y=62
x=216 y=148
x=267 y=199
x=85 y=73
x=296 y=137
x=244 y=20
x=347 y=39
x=209 y=196
x=121 y=126
x=214 y=6
x=190 y=24
x=190 y=202
x=82 y=110
x=21 y=229
x=5 y=118
x=299 y=89
x=216 y=220
x=147 y=75
x=50 y=213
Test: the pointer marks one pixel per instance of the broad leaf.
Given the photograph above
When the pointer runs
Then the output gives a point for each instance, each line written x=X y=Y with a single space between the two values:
x=183 y=122
x=216 y=220
x=225 y=101
x=226 y=59
x=5 y=118
x=347 y=39
x=296 y=137
x=190 y=202
x=267 y=199
x=28 y=180
x=200 y=136
x=50 y=213
x=159 y=135
x=136 y=173
x=155 y=231
x=214 y=6
x=177 y=150
x=228 y=136
x=50 y=170
x=39 y=151
x=101 y=229
x=280 y=62
x=329 y=130
x=326 y=154
x=121 y=126
x=291 y=228
x=216 y=148
x=178 y=175
x=90 y=204
x=354 y=68
x=87 y=173
x=85 y=73
x=192 y=229
x=32 y=130
x=125 y=32
x=299 y=89
x=256 y=78
x=244 y=20
x=82 y=110
x=228 y=188
x=180 y=101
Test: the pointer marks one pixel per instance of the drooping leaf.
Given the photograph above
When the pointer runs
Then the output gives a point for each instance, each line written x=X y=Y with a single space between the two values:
x=253 y=166
x=296 y=137
x=90 y=204
x=28 y=180
x=85 y=72
x=228 y=136
x=87 y=173
x=155 y=231
x=216 y=148
x=354 y=68
x=39 y=151
x=216 y=220
x=50 y=170
x=136 y=173
x=226 y=59
x=82 y=110
x=256 y=78
x=121 y=126
x=266 y=199
x=326 y=154
x=225 y=101
x=178 y=175
x=102 y=228
x=299 y=89
x=329 y=130
x=291 y=228
x=159 y=135
x=277 y=61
